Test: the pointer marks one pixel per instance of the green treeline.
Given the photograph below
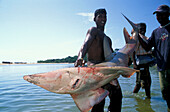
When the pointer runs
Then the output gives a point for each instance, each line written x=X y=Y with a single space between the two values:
x=68 y=59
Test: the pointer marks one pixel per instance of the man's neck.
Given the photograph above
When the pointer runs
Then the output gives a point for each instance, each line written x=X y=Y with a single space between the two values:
x=100 y=28
x=165 y=24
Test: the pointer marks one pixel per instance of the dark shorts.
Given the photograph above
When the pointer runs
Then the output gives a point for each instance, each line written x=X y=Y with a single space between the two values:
x=143 y=77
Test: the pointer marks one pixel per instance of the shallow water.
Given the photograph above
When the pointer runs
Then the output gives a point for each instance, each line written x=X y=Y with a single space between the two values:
x=17 y=95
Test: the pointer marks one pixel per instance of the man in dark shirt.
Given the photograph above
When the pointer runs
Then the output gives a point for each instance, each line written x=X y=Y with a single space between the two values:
x=160 y=40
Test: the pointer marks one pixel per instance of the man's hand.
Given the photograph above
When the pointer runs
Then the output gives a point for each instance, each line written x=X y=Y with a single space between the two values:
x=134 y=66
x=80 y=62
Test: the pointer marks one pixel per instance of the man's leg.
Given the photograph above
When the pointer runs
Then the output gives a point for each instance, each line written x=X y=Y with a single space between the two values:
x=138 y=84
x=99 y=107
x=168 y=88
x=164 y=77
x=115 y=95
x=147 y=80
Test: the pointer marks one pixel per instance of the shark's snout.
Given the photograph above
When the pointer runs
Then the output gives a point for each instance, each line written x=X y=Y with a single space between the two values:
x=26 y=77
x=31 y=79
x=131 y=23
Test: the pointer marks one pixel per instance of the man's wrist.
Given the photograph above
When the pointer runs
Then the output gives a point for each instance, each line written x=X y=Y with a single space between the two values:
x=80 y=58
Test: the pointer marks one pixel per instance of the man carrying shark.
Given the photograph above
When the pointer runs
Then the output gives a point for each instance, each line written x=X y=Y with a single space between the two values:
x=88 y=86
x=93 y=47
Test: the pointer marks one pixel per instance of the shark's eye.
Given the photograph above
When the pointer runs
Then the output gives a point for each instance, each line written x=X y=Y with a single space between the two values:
x=74 y=85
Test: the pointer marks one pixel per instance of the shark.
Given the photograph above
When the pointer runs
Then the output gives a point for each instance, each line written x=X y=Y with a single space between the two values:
x=84 y=83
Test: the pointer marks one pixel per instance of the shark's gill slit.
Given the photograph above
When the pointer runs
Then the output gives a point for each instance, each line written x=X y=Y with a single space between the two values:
x=74 y=85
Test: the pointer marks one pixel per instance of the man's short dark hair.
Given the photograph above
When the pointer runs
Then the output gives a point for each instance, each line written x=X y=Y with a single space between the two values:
x=99 y=11
x=141 y=24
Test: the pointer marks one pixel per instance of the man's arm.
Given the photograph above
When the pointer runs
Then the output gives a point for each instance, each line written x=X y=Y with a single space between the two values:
x=91 y=34
x=143 y=43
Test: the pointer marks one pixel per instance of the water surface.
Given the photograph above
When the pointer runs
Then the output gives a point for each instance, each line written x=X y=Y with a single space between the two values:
x=17 y=95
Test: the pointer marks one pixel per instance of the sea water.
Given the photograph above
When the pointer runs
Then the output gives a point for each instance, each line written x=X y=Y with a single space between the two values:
x=18 y=95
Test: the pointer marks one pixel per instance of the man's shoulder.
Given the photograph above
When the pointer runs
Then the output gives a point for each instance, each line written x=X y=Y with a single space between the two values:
x=93 y=30
x=156 y=30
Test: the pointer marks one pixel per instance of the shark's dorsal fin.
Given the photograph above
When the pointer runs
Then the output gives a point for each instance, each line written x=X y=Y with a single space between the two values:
x=126 y=35
x=86 y=100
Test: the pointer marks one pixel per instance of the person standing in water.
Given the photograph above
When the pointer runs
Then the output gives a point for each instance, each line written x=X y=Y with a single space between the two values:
x=160 y=40
x=143 y=78
x=93 y=47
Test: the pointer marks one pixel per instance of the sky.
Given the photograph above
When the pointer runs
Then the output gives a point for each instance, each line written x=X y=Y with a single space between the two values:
x=32 y=30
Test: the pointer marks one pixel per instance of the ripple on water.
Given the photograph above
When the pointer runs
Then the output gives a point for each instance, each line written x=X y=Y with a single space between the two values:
x=17 y=95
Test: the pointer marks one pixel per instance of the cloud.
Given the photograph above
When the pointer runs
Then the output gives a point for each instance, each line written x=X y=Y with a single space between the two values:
x=89 y=15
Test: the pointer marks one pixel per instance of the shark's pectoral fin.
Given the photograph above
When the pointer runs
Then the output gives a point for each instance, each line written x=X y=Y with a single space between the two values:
x=107 y=50
x=85 y=101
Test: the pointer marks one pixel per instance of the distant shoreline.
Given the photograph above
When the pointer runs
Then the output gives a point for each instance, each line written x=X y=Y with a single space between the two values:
x=33 y=63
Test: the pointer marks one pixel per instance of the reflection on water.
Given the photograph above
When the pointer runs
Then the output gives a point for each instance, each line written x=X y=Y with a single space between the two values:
x=17 y=95
x=143 y=105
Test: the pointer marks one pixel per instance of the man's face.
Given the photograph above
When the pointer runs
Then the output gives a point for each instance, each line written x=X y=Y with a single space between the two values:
x=142 y=29
x=162 y=17
x=101 y=19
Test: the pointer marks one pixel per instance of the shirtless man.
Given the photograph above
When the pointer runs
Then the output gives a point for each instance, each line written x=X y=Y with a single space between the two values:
x=93 y=47
x=93 y=44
